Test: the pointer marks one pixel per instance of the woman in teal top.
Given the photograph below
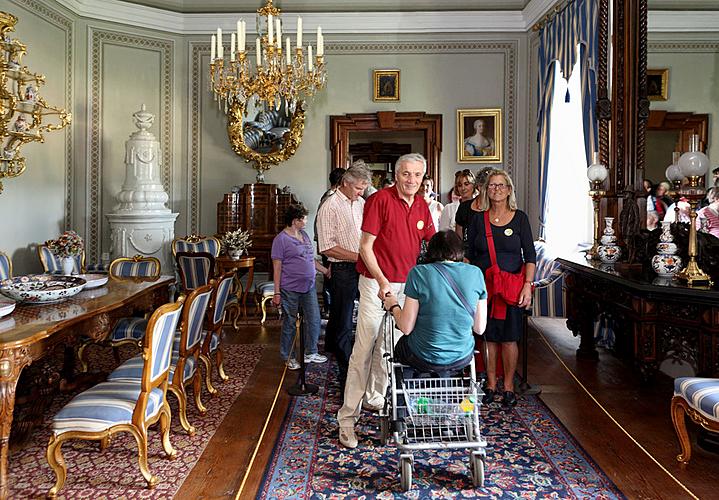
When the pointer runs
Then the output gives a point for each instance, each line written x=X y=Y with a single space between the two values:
x=436 y=325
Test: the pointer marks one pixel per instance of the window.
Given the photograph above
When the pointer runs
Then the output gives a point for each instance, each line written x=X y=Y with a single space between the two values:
x=569 y=208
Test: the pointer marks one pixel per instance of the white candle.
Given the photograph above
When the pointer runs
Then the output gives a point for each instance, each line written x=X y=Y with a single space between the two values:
x=243 y=34
x=213 y=46
x=232 y=47
x=219 y=43
x=287 y=49
x=239 y=34
x=320 y=42
x=278 y=33
x=299 y=32
x=309 y=57
x=269 y=29
x=258 y=48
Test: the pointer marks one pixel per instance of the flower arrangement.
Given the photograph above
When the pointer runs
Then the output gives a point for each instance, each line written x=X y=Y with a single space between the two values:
x=237 y=240
x=68 y=244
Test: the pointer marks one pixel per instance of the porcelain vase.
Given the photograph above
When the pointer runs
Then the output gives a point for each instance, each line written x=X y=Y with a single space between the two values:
x=68 y=265
x=234 y=253
x=666 y=264
x=609 y=251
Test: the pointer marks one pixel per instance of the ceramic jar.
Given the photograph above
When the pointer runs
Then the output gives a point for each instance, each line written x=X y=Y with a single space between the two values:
x=609 y=251
x=68 y=265
x=666 y=263
x=234 y=253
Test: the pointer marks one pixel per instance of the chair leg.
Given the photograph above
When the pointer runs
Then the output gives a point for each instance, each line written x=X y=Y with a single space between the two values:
x=165 y=421
x=141 y=438
x=81 y=356
x=263 y=305
x=220 y=364
x=208 y=374
x=197 y=389
x=105 y=443
x=679 y=420
x=57 y=463
x=179 y=393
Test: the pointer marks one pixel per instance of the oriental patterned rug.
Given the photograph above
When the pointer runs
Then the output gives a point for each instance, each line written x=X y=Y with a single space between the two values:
x=114 y=472
x=529 y=455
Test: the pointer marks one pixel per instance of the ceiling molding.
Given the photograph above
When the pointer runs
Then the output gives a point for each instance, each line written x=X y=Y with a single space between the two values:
x=120 y=12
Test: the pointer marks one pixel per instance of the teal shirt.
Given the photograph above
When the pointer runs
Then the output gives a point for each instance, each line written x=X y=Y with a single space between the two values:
x=443 y=332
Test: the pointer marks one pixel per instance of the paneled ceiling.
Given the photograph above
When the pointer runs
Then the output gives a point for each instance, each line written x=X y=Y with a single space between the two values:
x=210 y=6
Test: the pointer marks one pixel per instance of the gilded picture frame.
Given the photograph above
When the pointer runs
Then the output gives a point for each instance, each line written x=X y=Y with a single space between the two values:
x=658 y=84
x=385 y=85
x=479 y=135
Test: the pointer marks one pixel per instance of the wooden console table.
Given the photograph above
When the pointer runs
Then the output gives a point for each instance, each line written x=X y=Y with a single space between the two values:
x=33 y=331
x=653 y=319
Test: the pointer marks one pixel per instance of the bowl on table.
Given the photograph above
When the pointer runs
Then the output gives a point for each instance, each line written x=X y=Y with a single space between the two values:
x=94 y=280
x=41 y=288
x=6 y=306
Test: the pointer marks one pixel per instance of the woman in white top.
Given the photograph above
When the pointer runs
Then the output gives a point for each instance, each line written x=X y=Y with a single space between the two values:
x=464 y=188
x=435 y=207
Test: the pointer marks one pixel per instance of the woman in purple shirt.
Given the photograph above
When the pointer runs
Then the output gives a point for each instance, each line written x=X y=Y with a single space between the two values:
x=294 y=267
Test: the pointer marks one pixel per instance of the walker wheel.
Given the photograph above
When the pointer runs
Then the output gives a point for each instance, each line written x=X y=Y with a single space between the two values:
x=406 y=473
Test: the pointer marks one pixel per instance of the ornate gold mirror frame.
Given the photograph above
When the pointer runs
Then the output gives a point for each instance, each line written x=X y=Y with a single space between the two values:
x=264 y=161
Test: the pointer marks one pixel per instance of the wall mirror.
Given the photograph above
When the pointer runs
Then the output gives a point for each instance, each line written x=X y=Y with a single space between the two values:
x=669 y=131
x=380 y=138
x=265 y=135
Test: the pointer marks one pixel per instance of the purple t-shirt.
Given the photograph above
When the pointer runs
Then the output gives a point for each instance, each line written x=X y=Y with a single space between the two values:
x=298 y=262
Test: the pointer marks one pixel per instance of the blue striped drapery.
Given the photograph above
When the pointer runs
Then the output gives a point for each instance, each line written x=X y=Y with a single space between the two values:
x=576 y=25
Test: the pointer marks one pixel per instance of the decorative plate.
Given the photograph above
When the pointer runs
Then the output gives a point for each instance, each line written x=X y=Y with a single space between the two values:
x=41 y=288
x=94 y=280
x=6 y=306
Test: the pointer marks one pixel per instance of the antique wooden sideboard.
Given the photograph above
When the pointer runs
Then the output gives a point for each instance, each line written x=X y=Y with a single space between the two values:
x=259 y=208
x=653 y=319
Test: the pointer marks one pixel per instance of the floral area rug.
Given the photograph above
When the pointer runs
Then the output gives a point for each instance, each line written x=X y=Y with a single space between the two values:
x=114 y=472
x=529 y=455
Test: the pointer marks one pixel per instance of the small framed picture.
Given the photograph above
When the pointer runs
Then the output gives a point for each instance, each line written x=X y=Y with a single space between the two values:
x=658 y=84
x=386 y=84
x=479 y=135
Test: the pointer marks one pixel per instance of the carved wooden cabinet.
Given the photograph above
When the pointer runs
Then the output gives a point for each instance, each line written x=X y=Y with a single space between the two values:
x=259 y=208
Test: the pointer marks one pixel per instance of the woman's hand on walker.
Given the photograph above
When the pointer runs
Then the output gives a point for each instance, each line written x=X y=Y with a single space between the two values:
x=389 y=300
x=525 y=297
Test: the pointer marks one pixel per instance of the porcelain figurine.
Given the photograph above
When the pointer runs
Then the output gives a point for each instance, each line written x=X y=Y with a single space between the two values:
x=21 y=124
x=30 y=93
x=666 y=264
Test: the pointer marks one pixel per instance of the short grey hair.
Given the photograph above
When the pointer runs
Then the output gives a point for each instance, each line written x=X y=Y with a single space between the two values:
x=358 y=172
x=410 y=158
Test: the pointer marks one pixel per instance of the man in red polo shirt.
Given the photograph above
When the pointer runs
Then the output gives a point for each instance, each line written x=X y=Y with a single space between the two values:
x=394 y=224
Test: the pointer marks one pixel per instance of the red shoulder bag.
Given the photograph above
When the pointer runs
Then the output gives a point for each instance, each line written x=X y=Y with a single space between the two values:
x=503 y=288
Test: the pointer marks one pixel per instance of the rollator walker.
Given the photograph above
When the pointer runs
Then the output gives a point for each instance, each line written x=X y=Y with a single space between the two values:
x=430 y=412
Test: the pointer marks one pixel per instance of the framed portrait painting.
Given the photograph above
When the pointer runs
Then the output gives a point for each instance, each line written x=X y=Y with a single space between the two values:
x=386 y=85
x=479 y=135
x=658 y=84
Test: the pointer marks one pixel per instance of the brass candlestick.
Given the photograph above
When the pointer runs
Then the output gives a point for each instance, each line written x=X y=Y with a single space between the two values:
x=692 y=273
x=597 y=194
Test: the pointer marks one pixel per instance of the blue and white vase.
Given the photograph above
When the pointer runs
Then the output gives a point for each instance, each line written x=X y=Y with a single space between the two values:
x=609 y=251
x=666 y=263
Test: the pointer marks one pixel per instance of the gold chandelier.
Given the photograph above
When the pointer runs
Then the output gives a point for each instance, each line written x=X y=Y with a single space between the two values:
x=279 y=74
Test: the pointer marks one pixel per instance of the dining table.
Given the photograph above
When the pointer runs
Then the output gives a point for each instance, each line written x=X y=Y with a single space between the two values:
x=32 y=331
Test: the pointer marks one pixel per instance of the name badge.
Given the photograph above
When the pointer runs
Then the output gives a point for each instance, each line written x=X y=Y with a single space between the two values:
x=508 y=232
x=420 y=224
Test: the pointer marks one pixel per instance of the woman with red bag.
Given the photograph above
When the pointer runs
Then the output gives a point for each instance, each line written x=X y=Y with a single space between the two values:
x=500 y=243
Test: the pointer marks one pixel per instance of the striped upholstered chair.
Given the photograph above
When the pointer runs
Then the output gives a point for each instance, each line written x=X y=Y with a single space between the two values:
x=212 y=335
x=698 y=398
x=194 y=243
x=549 y=299
x=135 y=267
x=264 y=292
x=52 y=264
x=5 y=266
x=121 y=406
x=184 y=364
x=196 y=269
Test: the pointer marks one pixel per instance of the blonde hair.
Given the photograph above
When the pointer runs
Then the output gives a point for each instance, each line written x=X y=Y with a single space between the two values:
x=484 y=193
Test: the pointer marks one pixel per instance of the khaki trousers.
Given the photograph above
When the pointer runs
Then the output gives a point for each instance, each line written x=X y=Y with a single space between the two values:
x=367 y=372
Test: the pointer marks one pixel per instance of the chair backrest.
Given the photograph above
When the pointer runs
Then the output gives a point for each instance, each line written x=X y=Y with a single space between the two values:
x=193 y=316
x=196 y=268
x=194 y=243
x=135 y=267
x=223 y=288
x=52 y=264
x=549 y=294
x=5 y=266
x=157 y=346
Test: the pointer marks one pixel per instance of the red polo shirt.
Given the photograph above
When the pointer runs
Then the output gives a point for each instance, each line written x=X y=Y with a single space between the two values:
x=399 y=229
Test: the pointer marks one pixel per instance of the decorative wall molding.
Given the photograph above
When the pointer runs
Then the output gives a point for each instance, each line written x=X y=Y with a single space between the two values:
x=97 y=40
x=508 y=49
x=696 y=46
x=373 y=22
x=67 y=25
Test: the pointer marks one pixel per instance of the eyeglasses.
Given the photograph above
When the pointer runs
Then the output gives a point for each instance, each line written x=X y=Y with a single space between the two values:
x=499 y=186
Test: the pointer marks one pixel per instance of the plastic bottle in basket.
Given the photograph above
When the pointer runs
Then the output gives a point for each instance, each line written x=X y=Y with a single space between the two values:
x=423 y=406
x=467 y=404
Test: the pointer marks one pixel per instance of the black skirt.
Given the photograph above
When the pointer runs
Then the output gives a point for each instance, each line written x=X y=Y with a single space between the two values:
x=505 y=330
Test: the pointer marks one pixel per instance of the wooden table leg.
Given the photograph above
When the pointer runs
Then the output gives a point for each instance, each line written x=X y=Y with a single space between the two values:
x=12 y=362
